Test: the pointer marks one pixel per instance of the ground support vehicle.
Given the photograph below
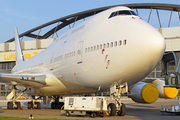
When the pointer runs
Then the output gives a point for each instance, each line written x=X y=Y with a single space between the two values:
x=93 y=106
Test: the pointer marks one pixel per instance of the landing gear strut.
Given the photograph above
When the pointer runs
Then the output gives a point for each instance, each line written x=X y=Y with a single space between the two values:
x=56 y=104
x=33 y=104
x=116 y=90
x=17 y=105
x=13 y=104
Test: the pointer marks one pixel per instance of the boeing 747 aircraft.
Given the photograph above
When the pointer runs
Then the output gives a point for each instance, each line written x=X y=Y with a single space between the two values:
x=113 y=50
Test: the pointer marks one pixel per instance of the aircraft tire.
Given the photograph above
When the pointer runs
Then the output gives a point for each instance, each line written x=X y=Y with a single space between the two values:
x=38 y=105
x=30 y=105
x=7 y=105
x=112 y=109
x=52 y=105
x=18 y=105
x=10 y=105
x=122 y=112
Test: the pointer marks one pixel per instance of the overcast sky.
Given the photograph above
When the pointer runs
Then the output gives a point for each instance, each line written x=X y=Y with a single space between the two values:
x=27 y=14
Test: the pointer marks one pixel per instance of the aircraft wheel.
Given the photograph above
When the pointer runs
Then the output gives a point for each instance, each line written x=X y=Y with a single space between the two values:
x=38 y=105
x=122 y=112
x=112 y=109
x=10 y=105
x=18 y=104
x=7 y=105
x=30 y=105
x=52 y=105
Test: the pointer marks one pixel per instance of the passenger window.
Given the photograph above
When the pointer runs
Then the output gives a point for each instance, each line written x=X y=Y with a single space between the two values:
x=79 y=52
x=86 y=50
x=107 y=45
x=124 y=42
x=91 y=49
x=104 y=46
x=94 y=48
x=74 y=53
x=100 y=46
x=111 y=44
x=97 y=47
x=120 y=42
x=115 y=43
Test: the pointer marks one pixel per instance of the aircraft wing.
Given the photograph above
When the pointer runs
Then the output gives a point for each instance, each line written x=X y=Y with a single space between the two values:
x=32 y=80
x=4 y=71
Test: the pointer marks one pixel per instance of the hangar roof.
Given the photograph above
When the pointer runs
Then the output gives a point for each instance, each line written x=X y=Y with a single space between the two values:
x=64 y=21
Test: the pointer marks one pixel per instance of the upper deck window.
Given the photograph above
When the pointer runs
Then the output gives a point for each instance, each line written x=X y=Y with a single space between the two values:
x=124 y=12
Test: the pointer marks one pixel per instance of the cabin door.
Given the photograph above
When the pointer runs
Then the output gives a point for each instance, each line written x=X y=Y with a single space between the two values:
x=80 y=52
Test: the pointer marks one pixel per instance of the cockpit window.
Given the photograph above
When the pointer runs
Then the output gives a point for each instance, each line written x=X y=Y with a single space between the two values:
x=134 y=13
x=112 y=14
x=124 y=12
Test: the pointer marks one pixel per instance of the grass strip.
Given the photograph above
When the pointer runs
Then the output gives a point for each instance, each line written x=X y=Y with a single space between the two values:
x=20 y=118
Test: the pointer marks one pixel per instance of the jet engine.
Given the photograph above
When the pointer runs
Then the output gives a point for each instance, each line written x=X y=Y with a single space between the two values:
x=165 y=92
x=142 y=92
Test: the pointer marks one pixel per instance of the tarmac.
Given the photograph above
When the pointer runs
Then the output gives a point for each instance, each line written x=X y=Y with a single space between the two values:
x=134 y=111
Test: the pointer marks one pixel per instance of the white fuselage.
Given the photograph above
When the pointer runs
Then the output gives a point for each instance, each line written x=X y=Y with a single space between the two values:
x=74 y=66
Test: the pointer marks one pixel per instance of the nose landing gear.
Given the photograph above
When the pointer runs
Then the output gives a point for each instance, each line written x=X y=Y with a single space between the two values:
x=116 y=90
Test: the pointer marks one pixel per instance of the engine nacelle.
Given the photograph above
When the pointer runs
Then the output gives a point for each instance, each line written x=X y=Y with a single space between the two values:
x=165 y=92
x=144 y=93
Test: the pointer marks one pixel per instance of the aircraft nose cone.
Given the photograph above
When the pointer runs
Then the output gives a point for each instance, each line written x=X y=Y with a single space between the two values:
x=153 y=45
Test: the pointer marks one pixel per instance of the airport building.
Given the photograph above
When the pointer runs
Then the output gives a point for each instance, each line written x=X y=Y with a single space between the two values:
x=30 y=49
x=172 y=37
x=8 y=57
x=34 y=47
